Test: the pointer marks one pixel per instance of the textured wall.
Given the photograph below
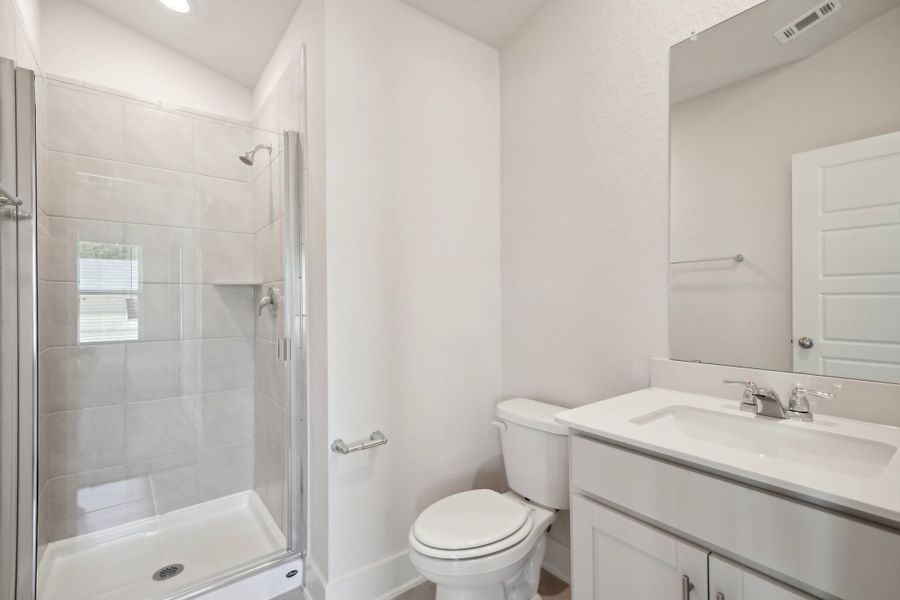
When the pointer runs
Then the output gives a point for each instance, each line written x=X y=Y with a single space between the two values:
x=585 y=193
x=413 y=272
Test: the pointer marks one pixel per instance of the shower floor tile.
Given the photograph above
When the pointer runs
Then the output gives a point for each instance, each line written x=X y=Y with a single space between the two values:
x=210 y=539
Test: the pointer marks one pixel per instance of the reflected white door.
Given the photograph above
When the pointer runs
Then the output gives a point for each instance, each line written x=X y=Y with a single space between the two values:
x=846 y=259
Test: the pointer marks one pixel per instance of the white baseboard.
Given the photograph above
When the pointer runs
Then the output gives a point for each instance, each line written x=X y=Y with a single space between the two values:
x=382 y=580
x=557 y=560
x=395 y=574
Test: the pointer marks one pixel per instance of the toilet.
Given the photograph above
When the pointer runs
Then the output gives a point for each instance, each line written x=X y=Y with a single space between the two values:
x=483 y=545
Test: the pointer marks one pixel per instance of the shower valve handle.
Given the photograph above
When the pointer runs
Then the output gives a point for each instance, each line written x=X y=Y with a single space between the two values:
x=267 y=300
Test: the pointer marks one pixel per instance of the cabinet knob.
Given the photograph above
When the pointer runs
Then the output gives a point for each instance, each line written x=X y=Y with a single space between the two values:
x=686 y=587
x=720 y=596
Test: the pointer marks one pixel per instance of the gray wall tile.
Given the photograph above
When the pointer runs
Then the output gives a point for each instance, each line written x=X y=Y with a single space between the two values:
x=83 y=440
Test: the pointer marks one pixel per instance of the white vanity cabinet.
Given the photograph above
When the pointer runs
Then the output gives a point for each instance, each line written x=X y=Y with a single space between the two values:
x=632 y=514
x=615 y=556
x=731 y=581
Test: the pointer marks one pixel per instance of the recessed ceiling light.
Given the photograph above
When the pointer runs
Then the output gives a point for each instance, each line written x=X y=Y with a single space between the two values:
x=181 y=6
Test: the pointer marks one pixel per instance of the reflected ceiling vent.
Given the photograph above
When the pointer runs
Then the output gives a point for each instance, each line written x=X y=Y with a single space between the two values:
x=826 y=9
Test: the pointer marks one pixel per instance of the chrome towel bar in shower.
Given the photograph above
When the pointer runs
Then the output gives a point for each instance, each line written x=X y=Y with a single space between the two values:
x=376 y=439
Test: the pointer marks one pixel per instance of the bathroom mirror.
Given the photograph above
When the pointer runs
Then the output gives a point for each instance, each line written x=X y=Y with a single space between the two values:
x=785 y=190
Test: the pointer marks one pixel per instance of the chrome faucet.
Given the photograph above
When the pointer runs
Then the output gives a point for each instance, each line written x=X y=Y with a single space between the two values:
x=765 y=402
x=761 y=401
x=798 y=406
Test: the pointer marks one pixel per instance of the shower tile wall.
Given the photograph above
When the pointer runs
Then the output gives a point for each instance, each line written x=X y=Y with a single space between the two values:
x=283 y=111
x=152 y=412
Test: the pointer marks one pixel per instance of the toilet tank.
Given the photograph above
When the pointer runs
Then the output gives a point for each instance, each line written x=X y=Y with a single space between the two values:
x=535 y=451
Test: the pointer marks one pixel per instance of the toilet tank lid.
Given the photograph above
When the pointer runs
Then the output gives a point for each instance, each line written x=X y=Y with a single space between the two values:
x=531 y=413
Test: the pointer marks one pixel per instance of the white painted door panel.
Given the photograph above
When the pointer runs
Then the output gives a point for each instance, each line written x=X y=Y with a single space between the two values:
x=846 y=259
x=616 y=557
x=730 y=581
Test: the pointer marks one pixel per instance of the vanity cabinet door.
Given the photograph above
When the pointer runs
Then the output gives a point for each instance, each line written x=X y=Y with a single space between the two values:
x=616 y=557
x=730 y=581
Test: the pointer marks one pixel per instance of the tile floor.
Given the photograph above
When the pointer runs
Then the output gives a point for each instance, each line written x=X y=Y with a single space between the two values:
x=551 y=588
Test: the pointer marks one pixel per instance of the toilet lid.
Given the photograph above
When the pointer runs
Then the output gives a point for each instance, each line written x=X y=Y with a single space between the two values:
x=469 y=520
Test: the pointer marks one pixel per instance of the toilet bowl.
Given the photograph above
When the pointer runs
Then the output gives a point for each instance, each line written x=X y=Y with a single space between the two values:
x=483 y=545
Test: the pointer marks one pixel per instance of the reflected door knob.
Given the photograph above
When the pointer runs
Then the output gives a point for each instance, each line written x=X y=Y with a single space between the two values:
x=806 y=342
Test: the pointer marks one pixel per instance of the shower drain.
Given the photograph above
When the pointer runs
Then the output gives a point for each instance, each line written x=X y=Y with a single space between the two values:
x=168 y=572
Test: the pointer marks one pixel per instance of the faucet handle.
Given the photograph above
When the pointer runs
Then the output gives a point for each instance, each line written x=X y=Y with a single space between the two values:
x=798 y=406
x=800 y=390
x=748 y=402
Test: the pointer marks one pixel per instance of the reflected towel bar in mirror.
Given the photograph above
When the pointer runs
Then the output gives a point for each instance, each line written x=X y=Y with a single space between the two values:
x=736 y=258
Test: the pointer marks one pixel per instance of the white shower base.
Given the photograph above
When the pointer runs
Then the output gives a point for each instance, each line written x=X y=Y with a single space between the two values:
x=210 y=539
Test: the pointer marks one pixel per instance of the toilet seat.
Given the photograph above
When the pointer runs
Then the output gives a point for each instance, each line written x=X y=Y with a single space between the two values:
x=470 y=525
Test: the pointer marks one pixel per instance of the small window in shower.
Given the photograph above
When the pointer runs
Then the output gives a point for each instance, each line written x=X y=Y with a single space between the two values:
x=108 y=292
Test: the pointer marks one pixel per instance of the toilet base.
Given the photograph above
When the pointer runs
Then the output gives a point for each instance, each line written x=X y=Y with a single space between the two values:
x=445 y=593
x=522 y=586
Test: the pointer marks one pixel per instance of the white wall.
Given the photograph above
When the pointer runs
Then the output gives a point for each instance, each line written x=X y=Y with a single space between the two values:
x=584 y=88
x=413 y=278
x=731 y=188
x=585 y=193
x=20 y=32
x=30 y=14
x=83 y=44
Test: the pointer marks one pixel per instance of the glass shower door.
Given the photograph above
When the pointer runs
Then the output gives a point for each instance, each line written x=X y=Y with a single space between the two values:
x=170 y=320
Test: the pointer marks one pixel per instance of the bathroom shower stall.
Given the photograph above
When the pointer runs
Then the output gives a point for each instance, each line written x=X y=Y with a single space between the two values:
x=153 y=344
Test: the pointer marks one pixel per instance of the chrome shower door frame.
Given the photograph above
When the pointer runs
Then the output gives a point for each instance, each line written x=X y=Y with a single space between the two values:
x=296 y=339
x=18 y=336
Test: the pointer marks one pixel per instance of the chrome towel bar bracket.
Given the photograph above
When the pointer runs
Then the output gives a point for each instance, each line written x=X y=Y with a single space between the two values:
x=376 y=439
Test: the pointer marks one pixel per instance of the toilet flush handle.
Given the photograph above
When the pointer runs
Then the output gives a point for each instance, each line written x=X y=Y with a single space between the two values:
x=499 y=425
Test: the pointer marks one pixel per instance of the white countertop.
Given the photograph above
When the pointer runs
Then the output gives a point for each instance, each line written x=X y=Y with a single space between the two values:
x=792 y=456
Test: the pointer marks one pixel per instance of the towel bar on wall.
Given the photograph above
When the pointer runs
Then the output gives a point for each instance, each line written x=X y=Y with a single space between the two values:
x=376 y=439
x=736 y=258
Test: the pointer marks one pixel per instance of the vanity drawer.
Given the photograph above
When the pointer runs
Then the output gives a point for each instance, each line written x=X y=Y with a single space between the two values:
x=814 y=549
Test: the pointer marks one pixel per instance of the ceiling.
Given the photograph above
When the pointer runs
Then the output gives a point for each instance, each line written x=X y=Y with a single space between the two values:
x=233 y=37
x=711 y=61
x=491 y=21
x=236 y=38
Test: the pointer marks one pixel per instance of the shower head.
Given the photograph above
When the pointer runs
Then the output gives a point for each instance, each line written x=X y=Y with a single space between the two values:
x=247 y=157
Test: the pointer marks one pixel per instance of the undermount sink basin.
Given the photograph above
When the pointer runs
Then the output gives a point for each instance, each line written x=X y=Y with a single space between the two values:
x=773 y=439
